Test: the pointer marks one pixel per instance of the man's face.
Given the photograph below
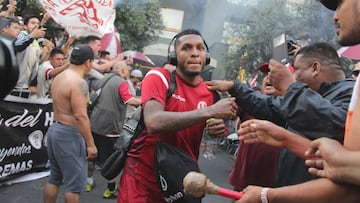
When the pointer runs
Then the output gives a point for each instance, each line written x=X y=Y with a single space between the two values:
x=347 y=22
x=95 y=46
x=268 y=89
x=304 y=71
x=12 y=30
x=191 y=54
x=57 y=60
x=32 y=24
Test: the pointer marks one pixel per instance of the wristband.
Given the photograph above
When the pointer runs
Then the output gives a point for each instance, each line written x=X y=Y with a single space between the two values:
x=263 y=195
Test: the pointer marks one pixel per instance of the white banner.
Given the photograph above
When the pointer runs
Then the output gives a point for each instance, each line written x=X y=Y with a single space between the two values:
x=82 y=17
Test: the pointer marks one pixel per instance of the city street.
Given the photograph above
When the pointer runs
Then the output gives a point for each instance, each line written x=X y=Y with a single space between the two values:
x=216 y=170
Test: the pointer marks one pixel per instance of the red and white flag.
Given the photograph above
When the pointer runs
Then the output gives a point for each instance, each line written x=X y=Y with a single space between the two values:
x=253 y=80
x=82 y=17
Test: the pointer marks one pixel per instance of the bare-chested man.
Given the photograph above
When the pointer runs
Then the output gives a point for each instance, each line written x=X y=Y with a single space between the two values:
x=69 y=138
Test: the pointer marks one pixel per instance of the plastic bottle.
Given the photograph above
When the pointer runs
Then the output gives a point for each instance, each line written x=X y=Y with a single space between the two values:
x=210 y=145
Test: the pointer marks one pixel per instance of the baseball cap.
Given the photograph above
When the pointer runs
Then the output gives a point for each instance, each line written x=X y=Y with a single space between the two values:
x=80 y=54
x=136 y=73
x=265 y=68
x=330 y=4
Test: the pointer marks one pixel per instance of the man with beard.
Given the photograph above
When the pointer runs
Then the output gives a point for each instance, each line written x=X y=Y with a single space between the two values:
x=180 y=121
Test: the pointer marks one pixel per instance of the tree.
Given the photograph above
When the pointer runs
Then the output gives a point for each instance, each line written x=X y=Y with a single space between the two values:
x=270 y=19
x=138 y=22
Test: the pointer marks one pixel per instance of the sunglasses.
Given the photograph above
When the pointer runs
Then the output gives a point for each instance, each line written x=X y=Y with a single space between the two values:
x=356 y=72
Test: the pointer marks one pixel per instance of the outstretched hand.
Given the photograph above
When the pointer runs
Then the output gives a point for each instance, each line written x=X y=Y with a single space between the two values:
x=323 y=158
x=256 y=131
x=220 y=85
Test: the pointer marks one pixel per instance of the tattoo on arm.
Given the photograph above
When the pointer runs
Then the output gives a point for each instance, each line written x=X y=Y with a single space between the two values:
x=84 y=89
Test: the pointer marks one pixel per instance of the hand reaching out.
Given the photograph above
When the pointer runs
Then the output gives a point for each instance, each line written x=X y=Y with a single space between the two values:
x=220 y=85
x=324 y=158
x=255 y=131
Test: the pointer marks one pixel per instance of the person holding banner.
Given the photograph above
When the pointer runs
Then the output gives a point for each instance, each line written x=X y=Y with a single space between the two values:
x=69 y=139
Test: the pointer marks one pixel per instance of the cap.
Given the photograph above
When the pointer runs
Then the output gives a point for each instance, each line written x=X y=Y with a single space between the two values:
x=264 y=68
x=330 y=4
x=3 y=22
x=80 y=54
x=136 y=73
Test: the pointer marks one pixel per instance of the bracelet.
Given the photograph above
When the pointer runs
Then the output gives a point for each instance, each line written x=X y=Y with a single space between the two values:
x=263 y=195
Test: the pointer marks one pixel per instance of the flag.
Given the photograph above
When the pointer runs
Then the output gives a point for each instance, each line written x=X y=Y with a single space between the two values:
x=253 y=80
x=82 y=17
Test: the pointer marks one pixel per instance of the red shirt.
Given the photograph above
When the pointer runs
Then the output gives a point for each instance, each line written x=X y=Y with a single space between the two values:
x=124 y=92
x=185 y=98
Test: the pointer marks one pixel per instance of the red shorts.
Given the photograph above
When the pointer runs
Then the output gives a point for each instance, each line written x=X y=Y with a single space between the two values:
x=132 y=191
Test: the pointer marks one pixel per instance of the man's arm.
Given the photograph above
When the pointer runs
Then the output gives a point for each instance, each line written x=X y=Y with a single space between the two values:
x=79 y=98
x=22 y=42
x=352 y=140
x=135 y=101
x=105 y=67
x=316 y=191
x=255 y=131
x=328 y=158
x=158 y=120
x=54 y=72
x=127 y=96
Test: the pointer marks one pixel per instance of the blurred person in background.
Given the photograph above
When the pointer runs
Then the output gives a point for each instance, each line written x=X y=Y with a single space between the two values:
x=107 y=119
x=355 y=72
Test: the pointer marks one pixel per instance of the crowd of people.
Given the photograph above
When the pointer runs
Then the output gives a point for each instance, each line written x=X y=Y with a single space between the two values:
x=44 y=64
x=298 y=134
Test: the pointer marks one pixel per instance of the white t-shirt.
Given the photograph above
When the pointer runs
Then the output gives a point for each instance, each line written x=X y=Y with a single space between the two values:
x=43 y=79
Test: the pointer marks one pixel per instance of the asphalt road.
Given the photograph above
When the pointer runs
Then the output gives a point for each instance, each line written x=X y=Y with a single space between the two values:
x=217 y=170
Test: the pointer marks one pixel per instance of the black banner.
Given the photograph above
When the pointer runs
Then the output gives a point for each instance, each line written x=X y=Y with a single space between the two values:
x=23 y=127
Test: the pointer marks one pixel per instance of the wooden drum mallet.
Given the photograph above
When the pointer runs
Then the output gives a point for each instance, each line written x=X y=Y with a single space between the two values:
x=197 y=184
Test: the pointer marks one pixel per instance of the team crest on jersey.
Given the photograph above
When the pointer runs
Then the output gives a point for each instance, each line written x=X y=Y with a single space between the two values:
x=201 y=105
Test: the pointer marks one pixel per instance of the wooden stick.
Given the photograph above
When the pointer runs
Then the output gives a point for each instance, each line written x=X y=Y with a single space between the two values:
x=197 y=184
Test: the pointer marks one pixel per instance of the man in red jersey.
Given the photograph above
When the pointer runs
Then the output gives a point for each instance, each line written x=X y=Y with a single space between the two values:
x=180 y=121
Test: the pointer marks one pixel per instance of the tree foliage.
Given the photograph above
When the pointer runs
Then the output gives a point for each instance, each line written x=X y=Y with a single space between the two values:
x=138 y=23
x=306 y=24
